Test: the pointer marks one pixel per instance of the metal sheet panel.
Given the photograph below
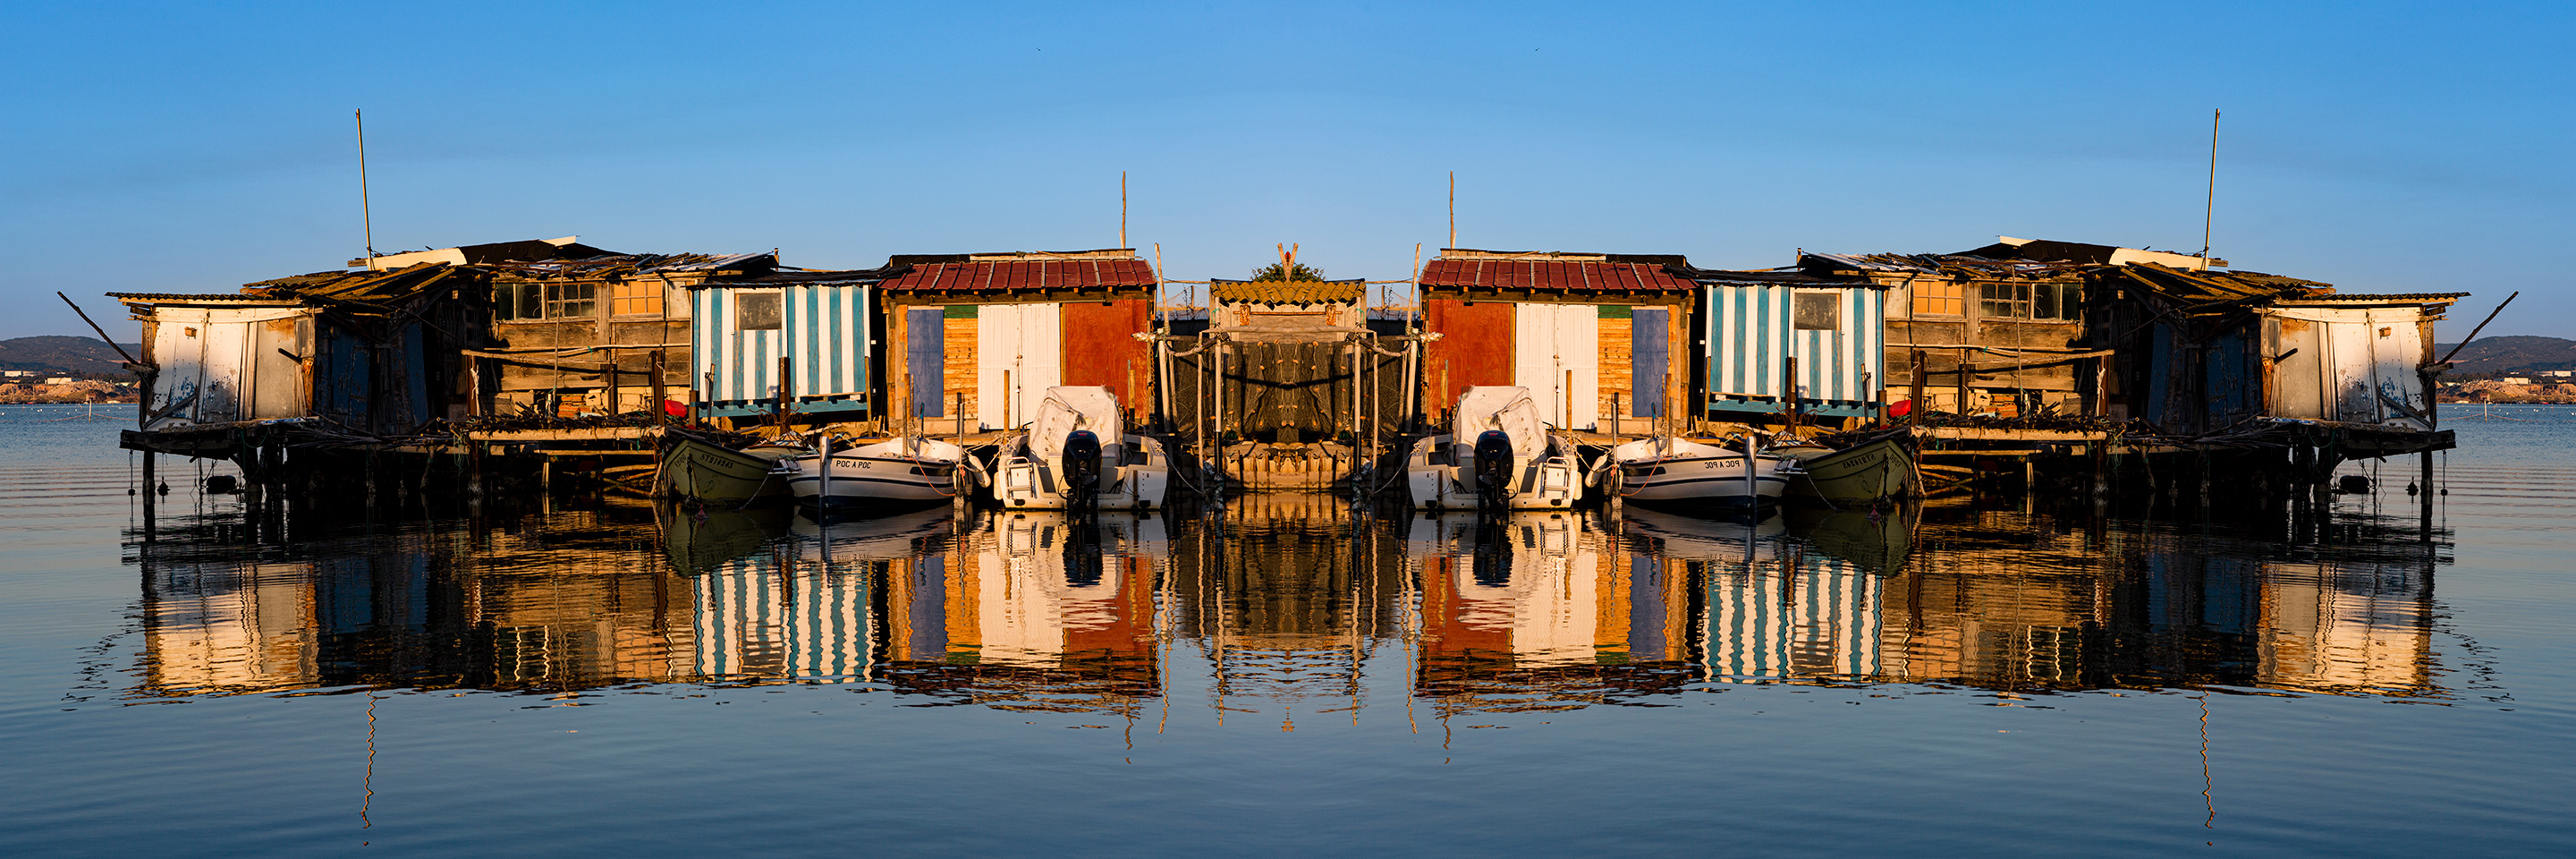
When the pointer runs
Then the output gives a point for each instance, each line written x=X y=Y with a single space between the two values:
x=1100 y=348
x=1475 y=348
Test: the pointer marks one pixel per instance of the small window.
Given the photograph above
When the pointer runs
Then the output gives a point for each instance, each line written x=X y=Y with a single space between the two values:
x=2045 y=302
x=2070 y=301
x=1938 y=298
x=571 y=300
x=2004 y=300
x=512 y=302
x=635 y=298
x=755 y=311
x=1818 y=311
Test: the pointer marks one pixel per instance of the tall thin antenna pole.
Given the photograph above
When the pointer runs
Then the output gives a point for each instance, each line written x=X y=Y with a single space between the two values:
x=366 y=210
x=2206 y=214
x=1453 y=208
x=1122 y=208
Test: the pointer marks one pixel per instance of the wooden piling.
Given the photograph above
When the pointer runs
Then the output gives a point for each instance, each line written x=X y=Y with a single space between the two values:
x=661 y=391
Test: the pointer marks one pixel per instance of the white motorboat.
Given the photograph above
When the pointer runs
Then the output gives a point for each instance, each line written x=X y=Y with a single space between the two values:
x=1679 y=471
x=1075 y=456
x=1497 y=455
x=904 y=471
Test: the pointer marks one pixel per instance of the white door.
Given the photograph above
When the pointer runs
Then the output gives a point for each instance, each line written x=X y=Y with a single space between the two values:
x=2348 y=355
x=179 y=347
x=2396 y=346
x=1019 y=353
x=1556 y=353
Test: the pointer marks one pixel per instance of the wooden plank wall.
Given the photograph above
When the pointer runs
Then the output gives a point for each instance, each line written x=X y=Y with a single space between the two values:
x=1618 y=366
x=959 y=369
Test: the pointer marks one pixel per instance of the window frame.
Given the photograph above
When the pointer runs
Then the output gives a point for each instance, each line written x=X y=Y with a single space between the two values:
x=777 y=314
x=1798 y=301
x=1956 y=298
x=624 y=295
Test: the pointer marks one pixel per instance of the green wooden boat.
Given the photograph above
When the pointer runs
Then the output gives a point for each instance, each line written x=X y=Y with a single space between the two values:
x=713 y=473
x=1859 y=474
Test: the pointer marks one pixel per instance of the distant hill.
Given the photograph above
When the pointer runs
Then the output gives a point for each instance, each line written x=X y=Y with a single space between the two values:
x=63 y=355
x=2505 y=354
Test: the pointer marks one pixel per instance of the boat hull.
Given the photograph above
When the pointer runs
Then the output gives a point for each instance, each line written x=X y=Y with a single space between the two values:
x=1677 y=472
x=1713 y=480
x=1869 y=472
x=894 y=473
x=1551 y=483
x=707 y=472
x=1137 y=480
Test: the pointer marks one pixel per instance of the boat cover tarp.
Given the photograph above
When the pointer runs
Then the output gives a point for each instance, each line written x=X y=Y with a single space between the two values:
x=1504 y=407
x=1074 y=407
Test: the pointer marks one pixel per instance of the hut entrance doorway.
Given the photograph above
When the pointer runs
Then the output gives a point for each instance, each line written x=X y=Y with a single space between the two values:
x=1019 y=351
x=1555 y=346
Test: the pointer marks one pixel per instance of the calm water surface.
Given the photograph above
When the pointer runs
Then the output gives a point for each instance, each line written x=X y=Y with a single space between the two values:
x=1286 y=678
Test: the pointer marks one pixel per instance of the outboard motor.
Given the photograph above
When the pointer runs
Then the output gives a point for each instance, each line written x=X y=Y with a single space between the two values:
x=1493 y=469
x=1081 y=470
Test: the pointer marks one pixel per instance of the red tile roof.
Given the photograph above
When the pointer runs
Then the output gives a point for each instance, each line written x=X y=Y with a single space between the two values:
x=1027 y=274
x=1573 y=276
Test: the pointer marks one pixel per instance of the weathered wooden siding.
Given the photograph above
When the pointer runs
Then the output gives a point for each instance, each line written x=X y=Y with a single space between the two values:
x=1618 y=371
x=958 y=368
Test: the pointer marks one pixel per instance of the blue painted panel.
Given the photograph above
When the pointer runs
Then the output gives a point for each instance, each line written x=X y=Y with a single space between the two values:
x=1650 y=341
x=926 y=359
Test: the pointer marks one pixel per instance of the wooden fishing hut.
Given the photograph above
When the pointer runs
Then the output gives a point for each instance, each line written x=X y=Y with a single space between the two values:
x=792 y=343
x=984 y=335
x=1593 y=336
x=1791 y=340
x=601 y=332
x=1290 y=385
x=1988 y=330
x=2263 y=362
x=373 y=351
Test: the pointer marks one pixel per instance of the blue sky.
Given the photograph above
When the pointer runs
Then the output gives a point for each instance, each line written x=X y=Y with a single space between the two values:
x=2383 y=148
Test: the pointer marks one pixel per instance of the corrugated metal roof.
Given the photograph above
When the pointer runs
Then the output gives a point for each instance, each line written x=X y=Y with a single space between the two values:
x=2205 y=287
x=2377 y=298
x=1291 y=292
x=602 y=267
x=198 y=297
x=1548 y=274
x=1027 y=274
x=1777 y=277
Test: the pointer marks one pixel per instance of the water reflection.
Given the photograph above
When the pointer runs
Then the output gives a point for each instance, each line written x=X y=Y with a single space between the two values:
x=1285 y=605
